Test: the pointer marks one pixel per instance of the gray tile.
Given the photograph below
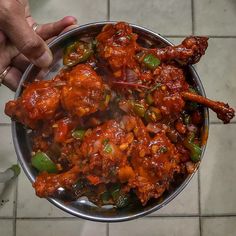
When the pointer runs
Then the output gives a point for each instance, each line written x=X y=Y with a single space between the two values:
x=175 y=41
x=60 y=228
x=5 y=96
x=29 y=205
x=217 y=71
x=171 y=17
x=85 y=11
x=7 y=198
x=157 y=226
x=8 y=157
x=186 y=203
x=217 y=171
x=6 y=227
x=215 y=17
x=219 y=226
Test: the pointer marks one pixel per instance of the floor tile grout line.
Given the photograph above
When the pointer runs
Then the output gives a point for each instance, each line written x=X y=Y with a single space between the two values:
x=200 y=225
x=218 y=216
x=173 y=216
x=193 y=17
x=14 y=209
x=48 y=218
x=221 y=36
x=13 y=231
x=107 y=229
x=108 y=10
x=16 y=203
x=5 y=124
x=199 y=203
x=220 y=123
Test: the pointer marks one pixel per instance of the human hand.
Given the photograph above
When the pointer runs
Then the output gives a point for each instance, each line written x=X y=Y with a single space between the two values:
x=20 y=44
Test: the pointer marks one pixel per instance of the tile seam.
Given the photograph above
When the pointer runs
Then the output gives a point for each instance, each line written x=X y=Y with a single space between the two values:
x=108 y=10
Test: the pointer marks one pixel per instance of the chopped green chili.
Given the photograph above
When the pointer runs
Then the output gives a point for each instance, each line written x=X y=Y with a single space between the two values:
x=77 y=52
x=156 y=86
x=105 y=141
x=187 y=120
x=139 y=109
x=195 y=149
x=153 y=114
x=120 y=198
x=149 y=99
x=107 y=146
x=78 y=134
x=106 y=196
x=163 y=149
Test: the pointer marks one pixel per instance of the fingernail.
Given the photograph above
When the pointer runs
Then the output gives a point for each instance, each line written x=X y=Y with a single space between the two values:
x=71 y=18
x=44 y=60
x=75 y=21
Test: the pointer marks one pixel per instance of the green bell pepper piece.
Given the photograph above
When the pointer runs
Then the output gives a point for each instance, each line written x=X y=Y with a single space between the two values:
x=42 y=162
x=151 y=62
x=77 y=52
x=195 y=150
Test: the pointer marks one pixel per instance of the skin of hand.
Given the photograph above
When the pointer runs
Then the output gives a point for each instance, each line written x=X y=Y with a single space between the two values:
x=20 y=44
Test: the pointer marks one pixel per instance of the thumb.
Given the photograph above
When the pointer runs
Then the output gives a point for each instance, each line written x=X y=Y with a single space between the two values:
x=28 y=42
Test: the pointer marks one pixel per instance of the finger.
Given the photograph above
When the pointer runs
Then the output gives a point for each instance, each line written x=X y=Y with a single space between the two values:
x=27 y=7
x=20 y=62
x=2 y=39
x=69 y=28
x=65 y=30
x=47 y=31
x=27 y=41
x=12 y=78
x=50 y=40
x=6 y=54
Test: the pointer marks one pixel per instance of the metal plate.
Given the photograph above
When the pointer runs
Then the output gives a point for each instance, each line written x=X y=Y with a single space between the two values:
x=82 y=207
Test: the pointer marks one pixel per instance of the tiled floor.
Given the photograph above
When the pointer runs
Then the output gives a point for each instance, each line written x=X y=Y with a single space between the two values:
x=207 y=206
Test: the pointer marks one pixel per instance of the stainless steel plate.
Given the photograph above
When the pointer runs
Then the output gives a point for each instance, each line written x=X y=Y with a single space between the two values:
x=82 y=207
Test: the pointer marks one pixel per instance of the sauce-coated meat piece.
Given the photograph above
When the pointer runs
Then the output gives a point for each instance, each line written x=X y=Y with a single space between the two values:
x=46 y=184
x=39 y=101
x=172 y=77
x=83 y=92
x=224 y=111
x=167 y=97
x=188 y=52
x=102 y=151
x=117 y=45
x=154 y=171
